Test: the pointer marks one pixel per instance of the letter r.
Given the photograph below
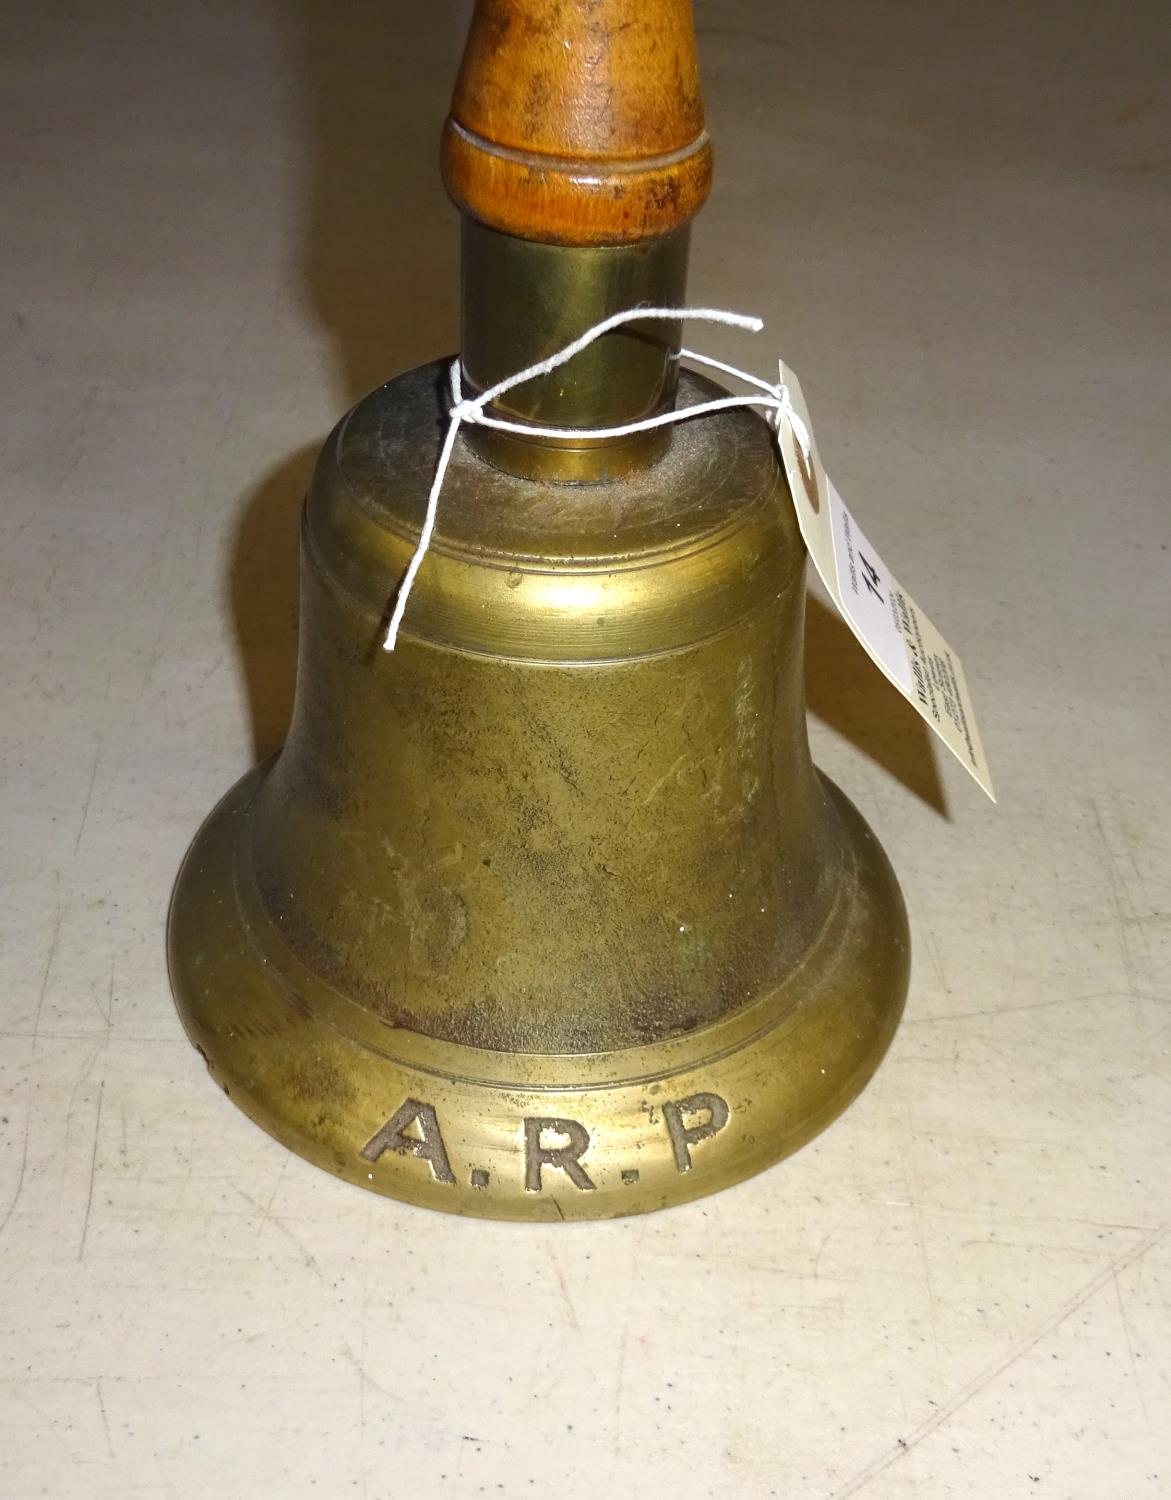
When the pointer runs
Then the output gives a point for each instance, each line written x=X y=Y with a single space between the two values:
x=538 y=1155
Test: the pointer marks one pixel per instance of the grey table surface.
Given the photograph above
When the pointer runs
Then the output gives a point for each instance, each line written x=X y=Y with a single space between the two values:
x=221 y=223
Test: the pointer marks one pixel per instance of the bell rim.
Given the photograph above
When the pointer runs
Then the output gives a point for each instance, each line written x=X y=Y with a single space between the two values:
x=325 y=1094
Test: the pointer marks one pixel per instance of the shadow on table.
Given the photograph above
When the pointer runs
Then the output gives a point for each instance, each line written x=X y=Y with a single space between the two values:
x=380 y=240
x=263 y=592
x=378 y=258
x=846 y=691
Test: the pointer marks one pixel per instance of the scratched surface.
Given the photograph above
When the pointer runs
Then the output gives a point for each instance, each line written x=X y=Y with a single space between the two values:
x=221 y=223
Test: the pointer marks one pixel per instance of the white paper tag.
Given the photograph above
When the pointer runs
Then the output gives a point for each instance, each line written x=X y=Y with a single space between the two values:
x=895 y=632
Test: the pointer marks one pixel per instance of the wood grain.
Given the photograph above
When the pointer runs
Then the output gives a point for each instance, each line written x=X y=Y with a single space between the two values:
x=579 y=122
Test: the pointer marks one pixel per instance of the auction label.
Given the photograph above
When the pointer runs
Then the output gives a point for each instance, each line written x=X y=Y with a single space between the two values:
x=896 y=634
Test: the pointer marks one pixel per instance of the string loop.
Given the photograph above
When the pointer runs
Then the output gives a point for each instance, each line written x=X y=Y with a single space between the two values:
x=773 y=398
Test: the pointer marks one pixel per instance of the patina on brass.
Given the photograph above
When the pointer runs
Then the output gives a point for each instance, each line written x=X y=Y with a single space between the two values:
x=522 y=299
x=548 y=914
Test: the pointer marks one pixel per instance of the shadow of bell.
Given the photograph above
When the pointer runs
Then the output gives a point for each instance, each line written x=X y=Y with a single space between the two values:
x=846 y=691
x=379 y=254
x=263 y=583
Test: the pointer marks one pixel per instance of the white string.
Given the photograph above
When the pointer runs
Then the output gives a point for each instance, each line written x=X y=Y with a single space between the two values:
x=471 y=409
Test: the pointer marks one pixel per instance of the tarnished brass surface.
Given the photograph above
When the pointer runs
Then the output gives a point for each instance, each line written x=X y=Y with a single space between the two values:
x=521 y=299
x=549 y=914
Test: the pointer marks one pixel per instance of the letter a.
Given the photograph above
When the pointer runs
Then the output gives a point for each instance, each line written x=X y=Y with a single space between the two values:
x=428 y=1143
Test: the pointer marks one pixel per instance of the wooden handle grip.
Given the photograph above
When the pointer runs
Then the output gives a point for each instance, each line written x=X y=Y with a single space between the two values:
x=579 y=122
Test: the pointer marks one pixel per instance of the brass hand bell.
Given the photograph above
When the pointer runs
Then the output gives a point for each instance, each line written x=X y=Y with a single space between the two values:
x=548 y=913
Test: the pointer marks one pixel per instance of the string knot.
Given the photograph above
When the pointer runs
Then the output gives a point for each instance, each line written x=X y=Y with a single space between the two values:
x=461 y=408
x=785 y=412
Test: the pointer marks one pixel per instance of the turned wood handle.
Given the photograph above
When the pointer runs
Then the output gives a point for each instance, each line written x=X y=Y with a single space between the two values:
x=579 y=122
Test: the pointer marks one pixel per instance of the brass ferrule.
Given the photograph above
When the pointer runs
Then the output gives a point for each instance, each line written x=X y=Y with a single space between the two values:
x=524 y=300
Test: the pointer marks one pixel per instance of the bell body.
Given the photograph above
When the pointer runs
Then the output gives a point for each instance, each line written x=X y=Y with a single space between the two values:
x=548 y=914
